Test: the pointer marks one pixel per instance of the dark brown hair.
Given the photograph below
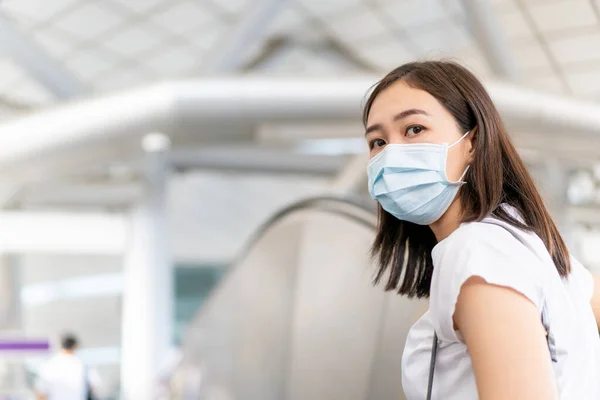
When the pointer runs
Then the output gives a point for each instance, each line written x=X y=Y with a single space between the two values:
x=497 y=175
x=69 y=341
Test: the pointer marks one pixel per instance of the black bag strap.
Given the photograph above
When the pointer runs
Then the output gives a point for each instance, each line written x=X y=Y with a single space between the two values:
x=434 y=349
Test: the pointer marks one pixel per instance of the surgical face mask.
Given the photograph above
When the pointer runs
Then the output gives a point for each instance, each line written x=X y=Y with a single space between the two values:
x=410 y=182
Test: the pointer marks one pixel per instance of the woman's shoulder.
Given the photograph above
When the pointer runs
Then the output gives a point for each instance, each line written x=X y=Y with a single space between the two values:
x=490 y=237
x=486 y=250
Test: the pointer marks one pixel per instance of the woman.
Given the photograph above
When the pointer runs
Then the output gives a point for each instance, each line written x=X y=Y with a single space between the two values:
x=461 y=222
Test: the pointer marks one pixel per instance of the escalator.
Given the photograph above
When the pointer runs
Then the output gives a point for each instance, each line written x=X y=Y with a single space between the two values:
x=298 y=318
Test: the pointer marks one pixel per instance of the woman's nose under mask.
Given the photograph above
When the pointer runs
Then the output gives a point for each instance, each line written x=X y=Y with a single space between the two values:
x=410 y=182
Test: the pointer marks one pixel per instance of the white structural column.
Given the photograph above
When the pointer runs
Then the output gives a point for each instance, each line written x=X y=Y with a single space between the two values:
x=10 y=304
x=148 y=287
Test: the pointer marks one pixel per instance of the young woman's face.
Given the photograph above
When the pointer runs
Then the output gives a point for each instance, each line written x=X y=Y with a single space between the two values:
x=404 y=115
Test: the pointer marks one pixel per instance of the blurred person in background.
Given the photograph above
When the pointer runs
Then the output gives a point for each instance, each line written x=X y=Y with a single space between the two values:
x=511 y=314
x=65 y=376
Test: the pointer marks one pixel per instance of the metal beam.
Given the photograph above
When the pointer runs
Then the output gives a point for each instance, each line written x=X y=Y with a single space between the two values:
x=339 y=52
x=32 y=58
x=277 y=47
x=246 y=33
x=488 y=32
x=241 y=159
x=293 y=132
x=272 y=51
x=255 y=160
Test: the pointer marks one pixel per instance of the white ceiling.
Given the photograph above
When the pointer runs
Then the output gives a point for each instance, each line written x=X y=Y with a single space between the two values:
x=115 y=44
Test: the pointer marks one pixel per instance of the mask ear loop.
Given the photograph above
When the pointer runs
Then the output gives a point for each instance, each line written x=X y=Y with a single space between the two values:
x=459 y=140
x=463 y=175
x=460 y=180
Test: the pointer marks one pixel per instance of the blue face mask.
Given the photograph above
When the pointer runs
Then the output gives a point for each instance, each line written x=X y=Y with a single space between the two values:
x=409 y=181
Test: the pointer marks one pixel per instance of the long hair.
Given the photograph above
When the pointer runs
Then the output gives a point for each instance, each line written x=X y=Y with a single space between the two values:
x=496 y=176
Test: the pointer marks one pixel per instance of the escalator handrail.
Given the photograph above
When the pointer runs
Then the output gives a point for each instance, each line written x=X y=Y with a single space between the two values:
x=324 y=203
x=316 y=203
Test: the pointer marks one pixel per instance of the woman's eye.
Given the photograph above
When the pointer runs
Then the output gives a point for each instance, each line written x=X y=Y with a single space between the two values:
x=414 y=130
x=376 y=143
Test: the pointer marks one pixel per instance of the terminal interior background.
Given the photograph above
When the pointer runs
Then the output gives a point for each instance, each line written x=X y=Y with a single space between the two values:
x=183 y=183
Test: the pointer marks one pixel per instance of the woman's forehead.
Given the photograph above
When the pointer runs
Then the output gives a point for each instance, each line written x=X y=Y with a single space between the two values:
x=399 y=97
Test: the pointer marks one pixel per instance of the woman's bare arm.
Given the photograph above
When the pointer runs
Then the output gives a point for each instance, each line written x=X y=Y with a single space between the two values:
x=506 y=341
x=596 y=300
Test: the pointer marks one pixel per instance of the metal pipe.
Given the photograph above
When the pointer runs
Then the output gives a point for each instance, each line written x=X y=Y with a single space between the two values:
x=88 y=131
x=257 y=160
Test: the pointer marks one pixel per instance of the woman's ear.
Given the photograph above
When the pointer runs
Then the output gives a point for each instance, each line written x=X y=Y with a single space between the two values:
x=472 y=141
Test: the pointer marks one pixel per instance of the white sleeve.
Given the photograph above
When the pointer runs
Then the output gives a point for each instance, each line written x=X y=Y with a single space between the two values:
x=489 y=252
x=580 y=280
x=94 y=379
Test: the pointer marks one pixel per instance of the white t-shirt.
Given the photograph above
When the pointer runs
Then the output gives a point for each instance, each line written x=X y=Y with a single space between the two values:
x=506 y=256
x=63 y=377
